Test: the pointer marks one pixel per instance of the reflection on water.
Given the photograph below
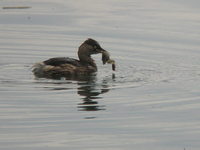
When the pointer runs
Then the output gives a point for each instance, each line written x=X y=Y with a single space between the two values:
x=88 y=87
x=90 y=93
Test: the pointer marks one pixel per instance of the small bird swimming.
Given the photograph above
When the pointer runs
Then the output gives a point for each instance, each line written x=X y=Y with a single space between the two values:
x=69 y=67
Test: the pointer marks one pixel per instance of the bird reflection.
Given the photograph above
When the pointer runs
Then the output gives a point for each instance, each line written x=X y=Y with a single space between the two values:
x=91 y=91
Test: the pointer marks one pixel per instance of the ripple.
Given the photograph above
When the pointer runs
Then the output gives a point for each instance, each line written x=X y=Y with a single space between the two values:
x=129 y=74
x=141 y=73
x=151 y=99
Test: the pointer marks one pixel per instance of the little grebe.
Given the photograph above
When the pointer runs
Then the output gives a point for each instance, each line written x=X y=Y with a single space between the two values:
x=66 y=67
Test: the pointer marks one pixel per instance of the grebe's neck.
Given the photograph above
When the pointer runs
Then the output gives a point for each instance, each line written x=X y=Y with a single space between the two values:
x=85 y=56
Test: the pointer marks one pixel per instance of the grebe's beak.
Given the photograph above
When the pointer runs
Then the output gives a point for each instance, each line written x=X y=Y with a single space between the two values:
x=102 y=50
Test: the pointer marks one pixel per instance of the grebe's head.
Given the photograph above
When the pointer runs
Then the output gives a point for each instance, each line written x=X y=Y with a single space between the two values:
x=90 y=46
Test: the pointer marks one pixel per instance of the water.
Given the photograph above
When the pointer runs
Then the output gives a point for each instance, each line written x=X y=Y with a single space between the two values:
x=152 y=101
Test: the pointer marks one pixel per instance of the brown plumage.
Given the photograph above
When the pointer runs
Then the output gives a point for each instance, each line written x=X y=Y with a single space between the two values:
x=68 y=67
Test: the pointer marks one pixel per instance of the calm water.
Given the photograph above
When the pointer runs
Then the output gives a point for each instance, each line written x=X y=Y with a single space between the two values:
x=151 y=102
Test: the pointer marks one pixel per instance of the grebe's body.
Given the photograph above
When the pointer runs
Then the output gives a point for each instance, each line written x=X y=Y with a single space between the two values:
x=68 y=67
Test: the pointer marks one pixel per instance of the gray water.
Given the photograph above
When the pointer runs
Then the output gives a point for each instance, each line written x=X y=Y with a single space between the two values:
x=151 y=101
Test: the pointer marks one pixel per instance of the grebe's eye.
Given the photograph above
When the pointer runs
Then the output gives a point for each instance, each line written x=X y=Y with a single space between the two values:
x=95 y=47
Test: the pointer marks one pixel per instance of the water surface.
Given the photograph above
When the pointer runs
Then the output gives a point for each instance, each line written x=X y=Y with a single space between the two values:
x=150 y=102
